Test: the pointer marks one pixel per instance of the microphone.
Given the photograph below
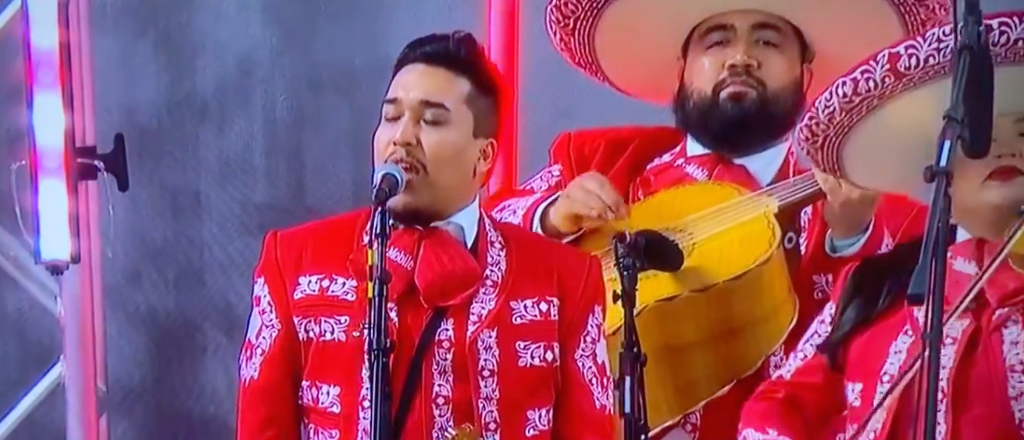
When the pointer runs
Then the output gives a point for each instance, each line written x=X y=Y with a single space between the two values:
x=978 y=105
x=654 y=250
x=388 y=181
x=979 y=87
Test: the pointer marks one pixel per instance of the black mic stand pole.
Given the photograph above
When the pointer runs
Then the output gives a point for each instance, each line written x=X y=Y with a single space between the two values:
x=927 y=285
x=379 y=345
x=632 y=391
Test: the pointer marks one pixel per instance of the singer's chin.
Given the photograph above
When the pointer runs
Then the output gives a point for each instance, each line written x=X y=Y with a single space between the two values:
x=399 y=204
x=404 y=210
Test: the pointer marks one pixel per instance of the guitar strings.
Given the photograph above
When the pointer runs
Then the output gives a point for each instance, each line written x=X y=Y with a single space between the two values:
x=743 y=207
x=701 y=227
x=769 y=198
x=722 y=217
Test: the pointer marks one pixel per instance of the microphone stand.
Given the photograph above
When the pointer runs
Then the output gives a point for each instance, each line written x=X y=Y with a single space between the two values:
x=632 y=391
x=927 y=285
x=379 y=344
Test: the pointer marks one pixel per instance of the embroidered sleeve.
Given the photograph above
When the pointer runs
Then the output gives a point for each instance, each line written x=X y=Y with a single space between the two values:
x=584 y=409
x=268 y=366
x=520 y=209
x=524 y=205
x=808 y=345
x=1012 y=333
x=803 y=399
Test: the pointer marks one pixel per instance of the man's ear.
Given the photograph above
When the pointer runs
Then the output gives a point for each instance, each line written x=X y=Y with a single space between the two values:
x=681 y=69
x=487 y=155
x=808 y=75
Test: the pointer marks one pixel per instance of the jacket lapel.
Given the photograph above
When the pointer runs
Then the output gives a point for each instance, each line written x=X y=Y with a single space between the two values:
x=1012 y=333
x=482 y=333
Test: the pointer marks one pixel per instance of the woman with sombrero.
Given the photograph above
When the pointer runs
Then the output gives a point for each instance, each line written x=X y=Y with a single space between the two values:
x=888 y=111
x=736 y=74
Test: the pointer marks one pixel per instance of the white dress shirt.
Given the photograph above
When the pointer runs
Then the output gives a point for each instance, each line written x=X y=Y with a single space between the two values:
x=468 y=219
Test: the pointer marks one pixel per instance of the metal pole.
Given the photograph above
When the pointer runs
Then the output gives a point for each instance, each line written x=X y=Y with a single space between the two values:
x=17 y=262
x=7 y=13
x=78 y=302
x=84 y=324
x=32 y=399
x=79 y=374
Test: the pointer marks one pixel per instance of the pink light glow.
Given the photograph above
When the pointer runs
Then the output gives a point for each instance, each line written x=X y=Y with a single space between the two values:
x=49 y=131
x=503 y=48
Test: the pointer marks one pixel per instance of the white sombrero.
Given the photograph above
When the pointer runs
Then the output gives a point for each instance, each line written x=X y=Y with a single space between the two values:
x=634 y=45
x=878 y=125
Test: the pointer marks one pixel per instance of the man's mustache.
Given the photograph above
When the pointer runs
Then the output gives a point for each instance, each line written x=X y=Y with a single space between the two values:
x=744 y=78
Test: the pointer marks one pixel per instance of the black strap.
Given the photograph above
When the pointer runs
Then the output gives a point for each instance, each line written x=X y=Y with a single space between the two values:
x=415 y=374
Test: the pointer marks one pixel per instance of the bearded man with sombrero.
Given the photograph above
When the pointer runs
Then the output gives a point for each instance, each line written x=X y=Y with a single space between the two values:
x=867 y=336
x=736 y=73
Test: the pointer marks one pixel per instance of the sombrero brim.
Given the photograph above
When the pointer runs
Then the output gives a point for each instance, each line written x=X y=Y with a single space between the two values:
x=878 y=126
x=634 y=45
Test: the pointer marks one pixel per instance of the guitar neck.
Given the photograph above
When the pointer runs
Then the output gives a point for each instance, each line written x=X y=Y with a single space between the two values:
x=795 y=192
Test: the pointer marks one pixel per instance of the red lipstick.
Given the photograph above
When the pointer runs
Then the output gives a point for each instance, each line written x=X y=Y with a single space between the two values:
x=1005 y=173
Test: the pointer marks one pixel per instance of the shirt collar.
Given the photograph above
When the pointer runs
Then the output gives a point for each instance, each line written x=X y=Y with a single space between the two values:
x=763 y=166
x=962 y=235
x=469 y=219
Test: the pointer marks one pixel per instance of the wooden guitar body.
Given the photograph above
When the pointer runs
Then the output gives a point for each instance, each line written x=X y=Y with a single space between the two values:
x=715 y=320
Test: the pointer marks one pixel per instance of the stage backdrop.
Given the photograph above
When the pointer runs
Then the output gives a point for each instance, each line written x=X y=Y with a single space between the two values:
x=241 y=116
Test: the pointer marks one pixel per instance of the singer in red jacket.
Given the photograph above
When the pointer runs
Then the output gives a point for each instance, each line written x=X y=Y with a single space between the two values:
x=517 y=349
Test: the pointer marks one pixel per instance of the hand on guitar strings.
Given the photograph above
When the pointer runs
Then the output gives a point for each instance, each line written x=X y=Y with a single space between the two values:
x=848 y=208
x=589 y=201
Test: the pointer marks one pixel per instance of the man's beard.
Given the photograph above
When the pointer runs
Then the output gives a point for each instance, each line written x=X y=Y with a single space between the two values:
x=409 y=215
x=738 y=128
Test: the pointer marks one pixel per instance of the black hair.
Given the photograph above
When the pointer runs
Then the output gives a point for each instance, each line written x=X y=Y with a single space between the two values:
x=460 y=53
x=806 y=51
x=874 y=285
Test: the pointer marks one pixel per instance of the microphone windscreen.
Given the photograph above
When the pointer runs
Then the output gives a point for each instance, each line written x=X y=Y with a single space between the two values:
x=979 y=95
x=391 y=170
x=660 y=253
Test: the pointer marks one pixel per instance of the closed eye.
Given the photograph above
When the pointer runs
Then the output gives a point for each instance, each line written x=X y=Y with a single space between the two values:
x=715 y=43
